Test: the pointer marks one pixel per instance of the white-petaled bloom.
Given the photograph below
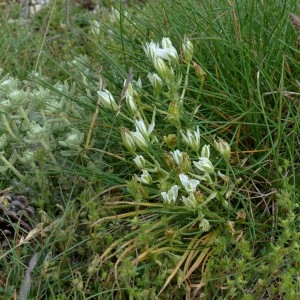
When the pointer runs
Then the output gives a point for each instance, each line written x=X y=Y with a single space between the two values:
x=141 y=127
x=140 y=161
x=140 y=140
x=107 y=99
x=190 y=201
x=187 y=49
x=192 y=140
x=156 y=82
x=157 y=55
x=150 y=49
x=171 y=195
x=145 y=177
x=171 y=51
x=204 y=165
x=205 y=152
x=190 y=185
x=178 y=157
x=223 y=148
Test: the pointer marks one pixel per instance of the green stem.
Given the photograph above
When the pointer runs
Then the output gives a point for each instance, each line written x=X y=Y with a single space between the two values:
x=186 y=81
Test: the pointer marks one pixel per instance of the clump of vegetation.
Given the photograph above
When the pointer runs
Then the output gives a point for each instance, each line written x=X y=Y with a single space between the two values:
x=161 y=153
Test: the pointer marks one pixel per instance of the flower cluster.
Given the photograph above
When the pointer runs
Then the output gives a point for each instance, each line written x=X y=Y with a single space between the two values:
x=183 y=179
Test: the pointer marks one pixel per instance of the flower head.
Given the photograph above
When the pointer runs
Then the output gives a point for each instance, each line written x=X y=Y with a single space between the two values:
x=141 y=128
x=178 y=157
x=169 y=49
x=171 y=195
x=190 y=185
x=204 y=165
x=145 y=177
x=192 y=140
x=190 y=201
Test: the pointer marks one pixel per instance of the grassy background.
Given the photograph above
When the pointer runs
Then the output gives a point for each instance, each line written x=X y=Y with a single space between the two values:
x=92 y=239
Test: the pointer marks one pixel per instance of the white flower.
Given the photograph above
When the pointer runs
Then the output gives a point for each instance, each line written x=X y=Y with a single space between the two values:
x=145 y=177
x=140 y=161
x=150 y=49
x=171 y=51
x=204 y=164
x=190 y=201
x=192 y=140
x=141 y=128
x=190 y=185
x=171 y=195
x=178 y=157
x=107 y=99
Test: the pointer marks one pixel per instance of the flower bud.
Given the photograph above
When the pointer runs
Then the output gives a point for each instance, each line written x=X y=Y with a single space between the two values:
x=186 y=163
x=205 y=152
x=223 y=148
x=131 y=105
x=199 y=72
x=171 y=140
x=174 y=111
x=156 y=83
x=169 y=160
x=107 y=99
x=162 y=69
x=187 y=49
x=140 y=161
x=140 y=140
x=128 y=140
